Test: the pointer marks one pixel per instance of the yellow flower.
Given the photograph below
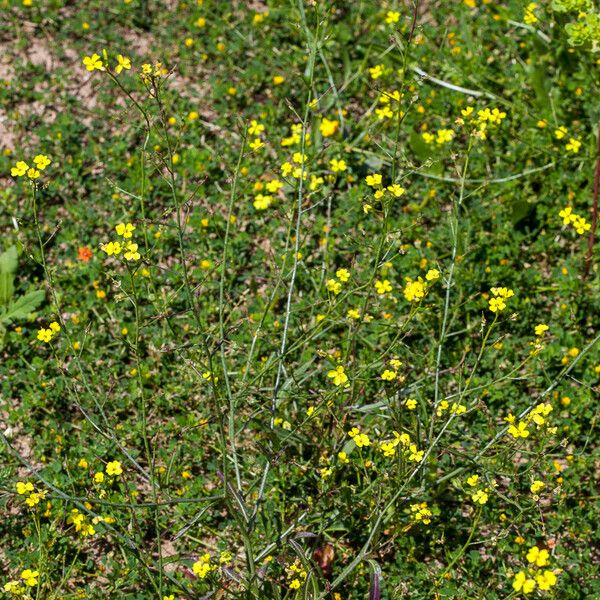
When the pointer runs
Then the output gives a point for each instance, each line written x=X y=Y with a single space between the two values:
x=519 y=431
x=114 y=468
x=432 y=275
x=200 y=22
x=338 y=376
x=333 y=286
x=131 y=252
x=343 y=275
x=560 y=133
x=353 y=313
x=202 y=566
x=540 y=329
x=414 y=290
x=30 y=577
x=112 y=248
x=546 y=580
x=274 y=185
x=34 y=498
x=384 y=113
x=328 y=127
x=388 y=375
x=396 y=190
x=497 y=304
x=256 y=144
x=444 y=136
x=573 y=145
x=123 y=63
x=45 y=335
x=414 y=454
x=428 y=138
x=343 y=458
x=24 y=488
x=360 y=439
x=278 y=79
x=98 y=477
x=566 y=214
x=537 y=486
x=262 y=201
x=472 y=481
x=376 y=71
x=392 y=17
x=480 y=497
x=337 y=166
x=41 y=161
x=93 y=62
x=410 y=403
x=19 y=169
x=383 y=287
x=529 y=17
x=255 y=128
x=538 y=557
x=522 y=582
x=373 y=180
x=125 y=230
x=33 y=173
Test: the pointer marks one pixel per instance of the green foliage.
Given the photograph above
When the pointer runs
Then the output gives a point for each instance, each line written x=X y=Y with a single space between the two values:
x=322 y=317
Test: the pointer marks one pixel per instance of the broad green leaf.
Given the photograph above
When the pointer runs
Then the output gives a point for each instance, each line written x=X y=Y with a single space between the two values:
x=24 y=305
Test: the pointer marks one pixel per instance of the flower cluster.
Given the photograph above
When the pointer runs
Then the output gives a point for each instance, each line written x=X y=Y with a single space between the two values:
x=482 y=121
x=296 y=168
x=264 y=201
x=255 y=129
x=296 y=574
x=328 y=127
x=360 y=439
x=441 y=136
x=21 y=168
x=82 y=526
x=392 y=374
x=338 y=376
x=334 y=285
x=46 y=335
x=29 y=579
x=498 y=302
x=295 y=137
x=454 y=408
x=375 y=181
x=570 y=218
x=479 y=494
x=407 y=447
x=202 y=567
x=421 y=513
x=33 y=496
x=529 y=15
x=128 y=248
x=152 y=72
x=537 y=416
x=97 y=63
x=526 y=580
x=386 y=98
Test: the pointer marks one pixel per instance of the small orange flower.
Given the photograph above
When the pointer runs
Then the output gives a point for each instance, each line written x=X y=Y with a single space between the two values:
x=85 y=254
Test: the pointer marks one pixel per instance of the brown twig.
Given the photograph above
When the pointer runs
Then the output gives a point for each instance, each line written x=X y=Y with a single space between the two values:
x=592 y=236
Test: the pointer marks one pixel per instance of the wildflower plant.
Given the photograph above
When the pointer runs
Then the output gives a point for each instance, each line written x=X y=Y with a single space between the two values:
x=299 y=301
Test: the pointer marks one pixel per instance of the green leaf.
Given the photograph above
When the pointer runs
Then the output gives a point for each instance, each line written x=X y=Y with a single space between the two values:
x=9 y=260
x=8 y=266
x=23 y=306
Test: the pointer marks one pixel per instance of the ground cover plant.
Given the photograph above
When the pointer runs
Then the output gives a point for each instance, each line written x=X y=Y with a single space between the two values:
x=299 y=299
